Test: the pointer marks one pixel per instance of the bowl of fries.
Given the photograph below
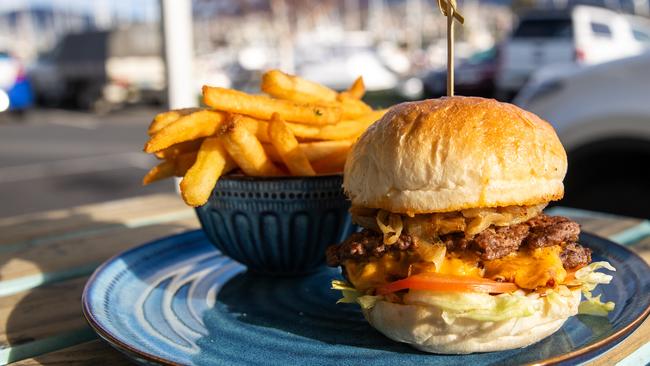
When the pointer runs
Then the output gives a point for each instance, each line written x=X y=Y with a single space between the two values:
x=279 y=226
x=264 y=171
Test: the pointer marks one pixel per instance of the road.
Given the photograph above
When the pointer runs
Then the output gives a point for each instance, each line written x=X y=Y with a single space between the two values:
x=53 y=159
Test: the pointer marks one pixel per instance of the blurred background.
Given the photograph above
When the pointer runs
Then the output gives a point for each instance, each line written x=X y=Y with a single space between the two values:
x=81 y=80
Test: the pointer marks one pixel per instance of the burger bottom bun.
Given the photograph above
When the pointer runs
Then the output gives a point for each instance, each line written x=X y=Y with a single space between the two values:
x=423 y=327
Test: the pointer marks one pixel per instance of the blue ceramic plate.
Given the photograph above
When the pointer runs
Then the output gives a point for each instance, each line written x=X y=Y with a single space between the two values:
x=179 y=301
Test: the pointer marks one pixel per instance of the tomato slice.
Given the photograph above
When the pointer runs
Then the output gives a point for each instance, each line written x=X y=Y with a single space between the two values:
x=447 y=283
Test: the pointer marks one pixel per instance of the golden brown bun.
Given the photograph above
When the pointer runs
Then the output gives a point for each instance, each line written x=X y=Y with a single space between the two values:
x=423 y=327
x=448 y=154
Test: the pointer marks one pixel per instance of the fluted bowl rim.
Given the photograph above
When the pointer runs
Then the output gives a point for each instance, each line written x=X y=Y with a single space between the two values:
x=243 y=177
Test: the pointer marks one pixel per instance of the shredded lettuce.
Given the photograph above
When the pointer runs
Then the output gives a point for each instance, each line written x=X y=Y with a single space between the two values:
x=478 y=306
x=486 y=307
x=368 y=302
x=593 y=306
x=351 y=295
x=587 y=278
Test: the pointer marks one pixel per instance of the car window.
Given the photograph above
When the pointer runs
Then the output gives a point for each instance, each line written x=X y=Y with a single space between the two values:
x=601 y=29
x=641 y=36
x=544 y=28
x=483 y=56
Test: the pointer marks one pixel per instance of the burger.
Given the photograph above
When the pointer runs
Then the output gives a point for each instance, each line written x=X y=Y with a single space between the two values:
x=456 y=254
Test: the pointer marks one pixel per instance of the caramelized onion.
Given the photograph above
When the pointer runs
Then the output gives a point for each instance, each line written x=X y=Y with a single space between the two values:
x=482 y=218
x=390 y=225
x=430 y=226
x=433 y=253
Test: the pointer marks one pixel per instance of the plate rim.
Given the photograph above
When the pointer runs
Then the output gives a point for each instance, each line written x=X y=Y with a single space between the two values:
x=95 y=324
x=124 y=347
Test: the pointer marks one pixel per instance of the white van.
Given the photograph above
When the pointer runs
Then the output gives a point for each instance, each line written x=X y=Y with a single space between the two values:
x=602 y=116
x=583 y=34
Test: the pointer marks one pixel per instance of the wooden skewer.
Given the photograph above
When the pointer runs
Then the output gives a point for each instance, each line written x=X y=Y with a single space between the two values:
x=450 y=49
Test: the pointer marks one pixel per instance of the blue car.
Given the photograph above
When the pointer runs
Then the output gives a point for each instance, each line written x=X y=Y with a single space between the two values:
x=15 y=90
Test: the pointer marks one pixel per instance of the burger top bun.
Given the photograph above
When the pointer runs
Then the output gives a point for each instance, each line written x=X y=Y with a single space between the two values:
x=449 y=154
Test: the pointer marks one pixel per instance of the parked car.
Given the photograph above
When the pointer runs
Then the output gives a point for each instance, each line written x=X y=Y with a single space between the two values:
x=474 y=76
x=602 y=115
x=47 y=82
x=583 y=34
x=345 y=64
x=103 y=69
x=15 y=91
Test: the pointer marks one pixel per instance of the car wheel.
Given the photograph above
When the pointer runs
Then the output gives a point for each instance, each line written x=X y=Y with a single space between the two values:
x=610 y=176
x=88 y=95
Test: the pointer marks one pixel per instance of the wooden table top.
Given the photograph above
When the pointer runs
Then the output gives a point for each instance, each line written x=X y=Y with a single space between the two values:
x=46 y=258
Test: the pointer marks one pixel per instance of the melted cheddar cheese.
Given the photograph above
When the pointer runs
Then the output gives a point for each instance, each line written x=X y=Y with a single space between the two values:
x=528 y=269
x=463 y=264
x=378 y=271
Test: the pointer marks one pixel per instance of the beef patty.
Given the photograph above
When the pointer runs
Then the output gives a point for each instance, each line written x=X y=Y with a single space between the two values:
x=575 y=255
x=492 y=243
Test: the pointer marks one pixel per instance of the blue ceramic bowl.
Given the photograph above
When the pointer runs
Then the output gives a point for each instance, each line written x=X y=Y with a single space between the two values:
x=277 y=225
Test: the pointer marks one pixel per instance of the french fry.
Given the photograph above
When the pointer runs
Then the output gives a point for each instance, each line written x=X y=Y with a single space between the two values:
x=166 y=118
x=272 y=153
x=313 y=150
x=320 y=149
x=212 y=161
x=301 y=127
x=284 y=86
x=246 y=150
x=183 y=162
x=333 y=163
x=343 y=130
x=257 y=127
x=350 y=108
x=353 y=108
x=174 y=166
x=161 y=171
x=349 y=128
x=263 y=107
x=356 y=90
x=189 y=127
x=178 y=149
x=287 y=146
x=340 y=131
